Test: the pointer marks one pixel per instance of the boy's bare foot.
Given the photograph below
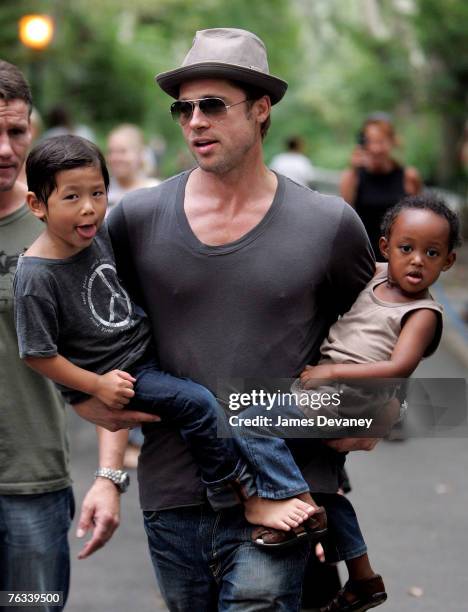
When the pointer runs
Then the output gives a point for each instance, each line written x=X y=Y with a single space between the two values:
x=283 y=514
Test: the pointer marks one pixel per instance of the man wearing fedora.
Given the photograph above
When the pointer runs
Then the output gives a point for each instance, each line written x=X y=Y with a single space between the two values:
x=241 y=271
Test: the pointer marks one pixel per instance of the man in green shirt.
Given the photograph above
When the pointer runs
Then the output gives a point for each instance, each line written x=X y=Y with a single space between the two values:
x=36 y=499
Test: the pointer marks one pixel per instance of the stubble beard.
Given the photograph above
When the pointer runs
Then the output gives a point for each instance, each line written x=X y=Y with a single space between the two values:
x=228 y=161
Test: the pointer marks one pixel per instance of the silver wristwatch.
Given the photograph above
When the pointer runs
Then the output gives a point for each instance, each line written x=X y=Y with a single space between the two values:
x=120 y=478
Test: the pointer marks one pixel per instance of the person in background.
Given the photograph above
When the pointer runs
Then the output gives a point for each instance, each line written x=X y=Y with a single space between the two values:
x=293 y=163
x=376 y=181
x=36 y=498
x=128 y=162
x=60 y=122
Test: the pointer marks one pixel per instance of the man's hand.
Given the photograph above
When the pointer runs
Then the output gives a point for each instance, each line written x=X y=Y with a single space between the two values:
x=100 y=513
x=343 y=445
x=111 y=419
x=115 y=389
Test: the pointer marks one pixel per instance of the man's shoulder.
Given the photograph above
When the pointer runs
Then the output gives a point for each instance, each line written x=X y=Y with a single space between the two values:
x=313 y=202
x=155 y=196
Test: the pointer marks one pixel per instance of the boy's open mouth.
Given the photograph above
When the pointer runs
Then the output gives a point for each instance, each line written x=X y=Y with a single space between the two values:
x=86 y=231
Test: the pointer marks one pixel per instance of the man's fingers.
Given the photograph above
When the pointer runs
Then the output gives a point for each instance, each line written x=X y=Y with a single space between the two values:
x=85 y=522
x=102 y=533
x=352 y=444
x=130 y=418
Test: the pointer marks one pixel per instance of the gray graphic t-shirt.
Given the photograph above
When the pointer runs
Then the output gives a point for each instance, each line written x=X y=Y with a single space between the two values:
x=77 y=308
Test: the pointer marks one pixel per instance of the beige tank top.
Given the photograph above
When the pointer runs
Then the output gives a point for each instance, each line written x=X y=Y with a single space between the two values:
x=369 y=331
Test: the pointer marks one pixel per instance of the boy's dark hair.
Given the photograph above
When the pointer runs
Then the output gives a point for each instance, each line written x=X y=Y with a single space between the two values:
x=57 y=154
x=427 y=201
x=13 y=85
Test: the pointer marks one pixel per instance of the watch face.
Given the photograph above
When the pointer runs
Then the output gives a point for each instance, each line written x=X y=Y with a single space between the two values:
x=124 y=482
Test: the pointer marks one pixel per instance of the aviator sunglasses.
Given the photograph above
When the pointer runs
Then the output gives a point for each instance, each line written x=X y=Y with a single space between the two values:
x=213 y=108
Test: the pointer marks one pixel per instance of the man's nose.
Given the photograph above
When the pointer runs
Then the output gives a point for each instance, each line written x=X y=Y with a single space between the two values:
x=198 y=119
x=5 y=145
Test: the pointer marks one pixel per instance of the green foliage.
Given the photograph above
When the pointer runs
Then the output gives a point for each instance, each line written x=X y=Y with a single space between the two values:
x=341 y=63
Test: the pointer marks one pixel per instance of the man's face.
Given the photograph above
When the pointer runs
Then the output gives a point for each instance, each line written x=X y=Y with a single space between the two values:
x=124 y=156
x=219 y=144
x=15 y=138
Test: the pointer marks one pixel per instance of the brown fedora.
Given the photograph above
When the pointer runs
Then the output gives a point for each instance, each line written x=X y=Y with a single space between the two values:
x=225 y=53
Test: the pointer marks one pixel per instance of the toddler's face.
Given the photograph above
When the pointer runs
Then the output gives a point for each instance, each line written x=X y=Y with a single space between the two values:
x=417 y=250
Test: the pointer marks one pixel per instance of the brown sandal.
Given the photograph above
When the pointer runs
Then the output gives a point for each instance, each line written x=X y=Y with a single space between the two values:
x=358 y=596
x=312 y=529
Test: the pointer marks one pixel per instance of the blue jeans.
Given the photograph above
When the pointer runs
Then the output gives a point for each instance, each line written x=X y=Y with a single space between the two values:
x=34 y=552
x=205 y=562
x=195 y=412
x=278 y=477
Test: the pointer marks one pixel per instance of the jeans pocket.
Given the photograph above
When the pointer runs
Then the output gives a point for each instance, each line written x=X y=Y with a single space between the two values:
x=72 y=505
x=150 y=515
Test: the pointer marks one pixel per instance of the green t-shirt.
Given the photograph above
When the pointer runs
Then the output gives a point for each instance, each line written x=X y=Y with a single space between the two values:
x=34 y=452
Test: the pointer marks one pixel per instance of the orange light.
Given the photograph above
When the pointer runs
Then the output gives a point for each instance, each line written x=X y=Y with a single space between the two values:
x=36 y=31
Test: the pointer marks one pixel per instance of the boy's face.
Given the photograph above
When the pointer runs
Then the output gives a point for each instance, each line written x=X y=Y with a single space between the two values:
x=417 y=250
x=75 y=210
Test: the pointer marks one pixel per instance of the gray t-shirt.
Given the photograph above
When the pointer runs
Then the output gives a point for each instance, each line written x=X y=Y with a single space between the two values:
x=77 y=308
x=256 y=307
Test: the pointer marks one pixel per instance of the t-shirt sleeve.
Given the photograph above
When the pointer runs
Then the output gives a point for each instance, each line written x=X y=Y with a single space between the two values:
x=352 y=262
x=36 y=326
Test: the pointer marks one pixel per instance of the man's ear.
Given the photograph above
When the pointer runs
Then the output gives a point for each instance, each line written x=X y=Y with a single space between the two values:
x=451 y=257
x=38 y=208
x=383 y=246
x=263 y=107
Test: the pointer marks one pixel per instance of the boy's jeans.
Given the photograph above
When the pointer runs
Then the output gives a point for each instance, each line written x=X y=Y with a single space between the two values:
x=34 y=552
x=195 y=412
x=205 y=562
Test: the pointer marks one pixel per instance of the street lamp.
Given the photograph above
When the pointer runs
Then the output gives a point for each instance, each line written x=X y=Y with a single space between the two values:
x=36 y=31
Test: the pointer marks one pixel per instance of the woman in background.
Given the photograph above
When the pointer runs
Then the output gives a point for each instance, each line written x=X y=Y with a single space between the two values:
x=376 y=181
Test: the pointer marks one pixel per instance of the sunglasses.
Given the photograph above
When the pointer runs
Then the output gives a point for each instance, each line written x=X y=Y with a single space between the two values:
x=213 y=108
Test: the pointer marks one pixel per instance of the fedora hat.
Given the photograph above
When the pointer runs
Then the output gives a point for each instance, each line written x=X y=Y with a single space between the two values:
x=225 y=53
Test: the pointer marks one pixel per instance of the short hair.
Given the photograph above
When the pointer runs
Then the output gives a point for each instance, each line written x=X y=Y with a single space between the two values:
x=426 y=201
x=253 y=94
x=294 y=143
x=60 y=153
x=13 y=85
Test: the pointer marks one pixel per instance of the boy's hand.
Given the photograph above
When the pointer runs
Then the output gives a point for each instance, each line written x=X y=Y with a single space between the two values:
x=115 y=389
x=313 y=376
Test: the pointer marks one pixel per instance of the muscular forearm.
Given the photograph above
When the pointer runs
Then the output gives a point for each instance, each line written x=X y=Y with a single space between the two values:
x=64 y=372
x=111 y=447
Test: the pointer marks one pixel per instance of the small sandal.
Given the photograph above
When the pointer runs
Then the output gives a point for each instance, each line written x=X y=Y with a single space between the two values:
x=365 y=594
x=312 y=529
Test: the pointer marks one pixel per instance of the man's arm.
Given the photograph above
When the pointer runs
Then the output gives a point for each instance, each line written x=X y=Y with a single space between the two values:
x=351 y=264
x=96 y=412
x=351 y=267
x=115 y=388
x=100 y=511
